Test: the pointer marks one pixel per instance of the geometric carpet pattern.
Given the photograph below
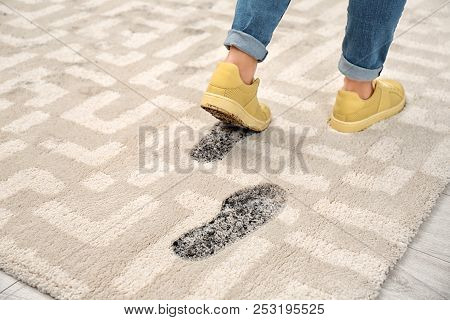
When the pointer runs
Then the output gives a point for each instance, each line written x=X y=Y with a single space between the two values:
x=99 y=117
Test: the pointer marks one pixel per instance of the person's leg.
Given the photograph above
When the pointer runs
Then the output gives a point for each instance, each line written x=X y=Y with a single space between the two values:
x=231 y=95
x=363 y=100
x=252 y=29
x=245 y=62
x=368 y=36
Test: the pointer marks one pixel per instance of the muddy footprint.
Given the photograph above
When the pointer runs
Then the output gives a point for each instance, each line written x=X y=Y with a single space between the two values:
x=241 y=213
x=216 y=144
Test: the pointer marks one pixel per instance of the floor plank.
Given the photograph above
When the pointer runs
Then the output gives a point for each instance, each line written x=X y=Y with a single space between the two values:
x=22 y=291
x=418 y=276
x=6 y=281
x=433 y=237
x=402 y=286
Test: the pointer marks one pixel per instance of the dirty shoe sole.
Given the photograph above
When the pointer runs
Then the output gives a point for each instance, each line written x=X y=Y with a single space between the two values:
x=355 y=126
x=232 y=112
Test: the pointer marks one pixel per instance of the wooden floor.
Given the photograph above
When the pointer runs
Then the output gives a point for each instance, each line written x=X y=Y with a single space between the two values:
x=422 y=273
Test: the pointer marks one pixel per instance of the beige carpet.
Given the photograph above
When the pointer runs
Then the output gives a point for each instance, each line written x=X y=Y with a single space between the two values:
x=78 y=219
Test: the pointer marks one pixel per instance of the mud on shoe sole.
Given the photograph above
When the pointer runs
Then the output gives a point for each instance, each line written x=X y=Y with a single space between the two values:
x=230 y=111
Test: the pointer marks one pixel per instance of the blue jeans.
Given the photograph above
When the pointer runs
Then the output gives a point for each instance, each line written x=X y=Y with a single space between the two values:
x=368 y=34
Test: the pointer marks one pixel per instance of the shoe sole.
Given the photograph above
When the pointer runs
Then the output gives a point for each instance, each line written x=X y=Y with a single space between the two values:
x=355 y=126
x=230 y=111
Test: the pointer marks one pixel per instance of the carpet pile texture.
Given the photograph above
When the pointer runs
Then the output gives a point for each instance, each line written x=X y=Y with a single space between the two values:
x=115 y=184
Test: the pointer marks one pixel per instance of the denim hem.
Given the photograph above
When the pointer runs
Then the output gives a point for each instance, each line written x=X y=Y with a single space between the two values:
x=246 y=43
x=355 y=72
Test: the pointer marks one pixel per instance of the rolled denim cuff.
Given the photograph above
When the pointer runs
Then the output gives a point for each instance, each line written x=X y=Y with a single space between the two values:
x=355 y=72
x=246 y=43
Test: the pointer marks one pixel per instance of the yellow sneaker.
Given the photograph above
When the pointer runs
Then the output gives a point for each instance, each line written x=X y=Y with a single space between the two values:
x=352 y=114
x=229 y=99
